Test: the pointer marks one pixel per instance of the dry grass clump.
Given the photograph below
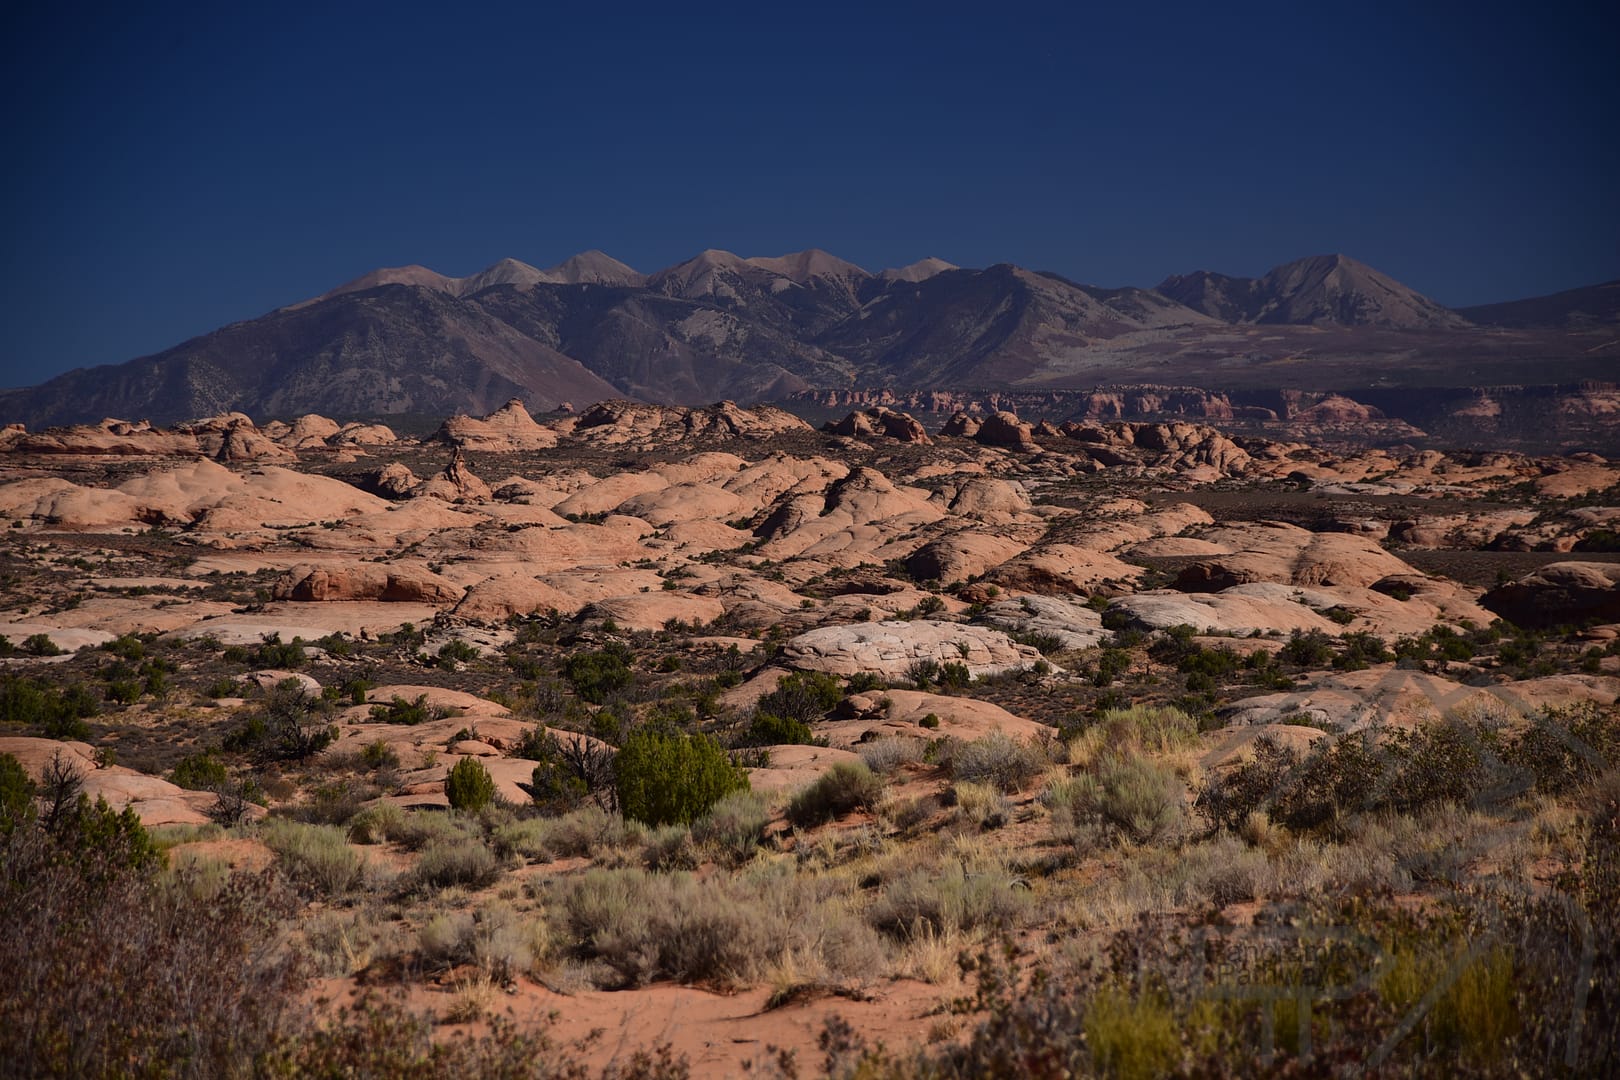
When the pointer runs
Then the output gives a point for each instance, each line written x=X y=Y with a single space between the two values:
x=960 y=891
x=496 y=937
x=999 y=760
x=1156 y=729
x=670 y=847
x=317 y=857
x=467 y=862
x=891 y=752
x=982 y=806
x=1124 y=793
x=733 y=828
x=347 y=942
x=726 y=932
x=379 y=822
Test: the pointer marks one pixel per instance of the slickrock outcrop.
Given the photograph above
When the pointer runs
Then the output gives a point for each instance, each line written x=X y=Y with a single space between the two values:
x=619 y=423
x=1005 y=430
x=506 y=430
x=393 y=481
x=880 y=421
x=961 y=555
x=457 y=484
x=890 y=648
x=1073 y=624
x=498 y=598
x=1273 y=551
x=366 y=581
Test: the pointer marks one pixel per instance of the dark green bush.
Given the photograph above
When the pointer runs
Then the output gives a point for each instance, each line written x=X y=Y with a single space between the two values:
x=60 y=712
x=469 y=785
x=768 y=729
x=1307 y=649
x=199 y=772
x=41 y=645
x=664 y=777
x=400 y=711
x=291 y=726
x=596 y=676
x=804 y=696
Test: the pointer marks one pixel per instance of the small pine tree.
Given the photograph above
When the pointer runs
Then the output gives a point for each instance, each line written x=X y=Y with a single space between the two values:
x=469 y=785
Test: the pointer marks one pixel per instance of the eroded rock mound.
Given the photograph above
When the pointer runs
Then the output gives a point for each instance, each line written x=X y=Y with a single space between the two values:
x=881 y=421
x=366 y=581
x=506 y=430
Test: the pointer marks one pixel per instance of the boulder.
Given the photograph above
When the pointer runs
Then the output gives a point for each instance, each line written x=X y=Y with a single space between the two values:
x=1272 y=551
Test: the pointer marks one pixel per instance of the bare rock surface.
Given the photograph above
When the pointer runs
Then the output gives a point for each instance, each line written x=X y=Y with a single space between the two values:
x=392 y=583
x=1072 y=623
x=890 y=648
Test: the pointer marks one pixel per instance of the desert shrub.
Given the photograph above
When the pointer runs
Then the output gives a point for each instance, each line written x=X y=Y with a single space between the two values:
x=291 y=726
x=768 y=729
x=663 y=777
x=848 y=785
x=733 y=827
x=923 y=673
x=999 y=760
x=669 y=847
x=60 y=712
x=199 y=772
x=115 y=971
x=469 y=786
x=316 y=857
x=1045 y=644
x=467 y=862
x=981 y=805
x=886 y=754
x=1361 y=651
x=278 y=655
x=569 y=770
x=719 y=931
x=454 y=653
x=334 y=803
x=803 y=696
x=1307 y=649
x=598 y=675
x=1124 y=791
x=378 y=822
x=945 y=899
x=415 y=711
x=123 y=691
x=224 y=687
x=41 y=645
x=379 y=754
x=954 y=675
x=1227 y=800
x=587 y=831
x=1565 y=749
x=1447 y=761
x=17 y=793
x=1132 y=1037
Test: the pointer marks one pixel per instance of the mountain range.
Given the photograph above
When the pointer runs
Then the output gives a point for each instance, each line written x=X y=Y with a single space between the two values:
x=411 y=340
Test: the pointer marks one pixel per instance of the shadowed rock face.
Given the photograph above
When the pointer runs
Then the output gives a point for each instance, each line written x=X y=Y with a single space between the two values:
x=1560 y=594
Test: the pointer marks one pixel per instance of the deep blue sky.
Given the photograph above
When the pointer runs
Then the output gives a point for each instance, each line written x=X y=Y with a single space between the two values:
x=173 y=171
